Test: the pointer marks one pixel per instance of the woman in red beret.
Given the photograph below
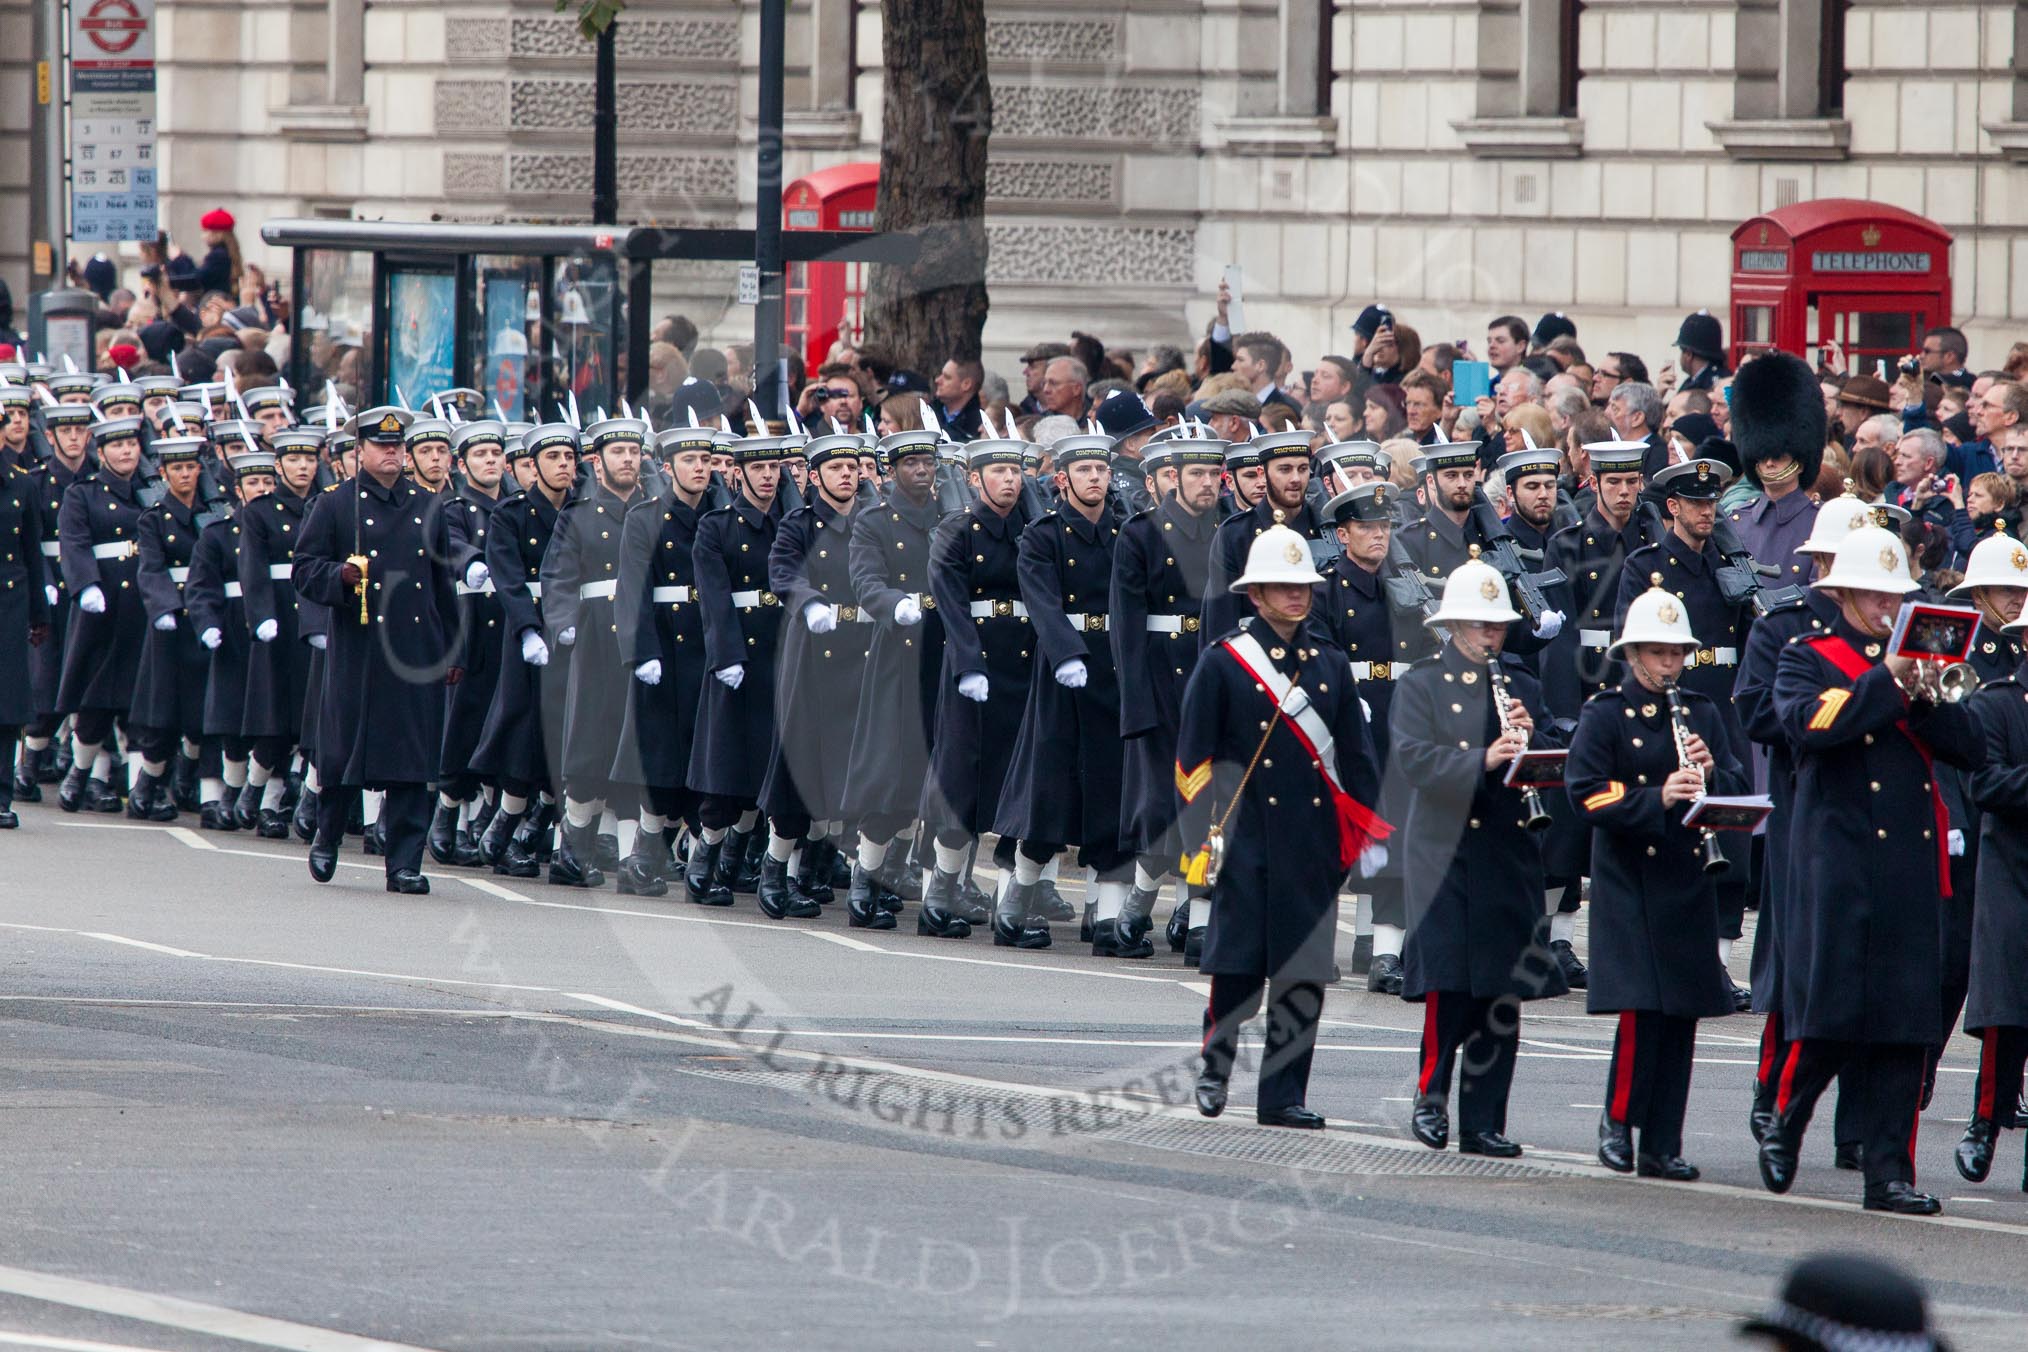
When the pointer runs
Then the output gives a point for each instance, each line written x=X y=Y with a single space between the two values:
x=220 y=269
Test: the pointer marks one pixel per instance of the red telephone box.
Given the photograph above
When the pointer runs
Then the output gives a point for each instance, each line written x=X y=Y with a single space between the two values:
x=1869 y=276
x=826 y=299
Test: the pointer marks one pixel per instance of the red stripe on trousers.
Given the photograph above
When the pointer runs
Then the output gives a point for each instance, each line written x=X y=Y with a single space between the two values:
x=1770 y=1038
x=1989 y=1062
x=1429 y=1044
x=1788 y=1081
x=1623 y=1066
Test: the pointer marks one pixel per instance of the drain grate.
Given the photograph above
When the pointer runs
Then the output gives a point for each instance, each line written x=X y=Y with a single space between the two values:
x=921 y=1103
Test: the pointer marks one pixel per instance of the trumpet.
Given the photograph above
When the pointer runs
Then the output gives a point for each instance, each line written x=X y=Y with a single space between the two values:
x=1940 y=682
x=1679 y=728
x=1531 y=797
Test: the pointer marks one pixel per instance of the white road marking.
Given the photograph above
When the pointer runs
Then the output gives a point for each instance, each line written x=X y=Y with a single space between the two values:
x=847 y=941
x=188 y=1315
x=191 y=838
x=9 y=1338
x=143 y=943
x=491 y=889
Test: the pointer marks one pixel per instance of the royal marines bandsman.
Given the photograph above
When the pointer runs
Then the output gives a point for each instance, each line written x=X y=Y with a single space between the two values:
x=1472 y=871
x=895 y=724
x=373 y=555
x=742 y=625
x=1161 y=567
x=1996 y=582
x=1643 y=752
x=1862 y=935
x=1275 y=774
x=99 y=528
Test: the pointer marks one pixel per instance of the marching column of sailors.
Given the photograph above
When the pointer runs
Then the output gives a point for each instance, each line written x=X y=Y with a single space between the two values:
x=809 y=666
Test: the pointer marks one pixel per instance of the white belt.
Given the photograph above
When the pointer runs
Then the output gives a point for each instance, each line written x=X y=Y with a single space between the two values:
x=125 y=549
x=1714 y=657
x=179 y=575
x=1088 y=624
x=747 y=600
x=986 y=610
x=1173 y=624
x=1377 y=671
x=52 y=549
x=487 y=590
x=594 y=591
x=282 y=572
x=669 y=596
x=1595 y=638
x=232 y=589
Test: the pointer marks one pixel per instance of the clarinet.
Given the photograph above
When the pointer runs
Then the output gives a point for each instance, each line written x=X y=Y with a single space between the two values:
x=1679 y=728
x=1531 y=797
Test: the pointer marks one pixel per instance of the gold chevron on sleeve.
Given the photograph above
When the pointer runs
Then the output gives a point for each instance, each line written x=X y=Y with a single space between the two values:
x=1190 y=783
x=1606 y=797
x=1828 y=706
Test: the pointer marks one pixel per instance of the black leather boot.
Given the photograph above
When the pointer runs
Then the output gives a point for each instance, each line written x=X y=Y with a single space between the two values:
x=304 y=823
x=571 y=865
x=862 y=907
x=700 y=875
x=500 y=830
x=813 y=875
x=732 y=869
x=141 y=802
x=1051 y=904
x=1137 y=920
x=443 y=840
x=1193 y=946
x=373 y=840
x=776 y=901
x=183 y=787
x=642 y=875
x=102 y=797
x=1013 y=925
x=217 y=817
x=1975 y=1151
x=8 y=821
x=935 y=918
x=754 y=847
x=247 y=810
x=1178 y=931
x=1615 y=1145
x=898 y=878
x=274 y=824
x=605 y=849
x=26 y=790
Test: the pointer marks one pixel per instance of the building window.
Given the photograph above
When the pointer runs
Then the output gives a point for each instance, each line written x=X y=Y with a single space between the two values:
x=1568 y=73
x=1831 y=59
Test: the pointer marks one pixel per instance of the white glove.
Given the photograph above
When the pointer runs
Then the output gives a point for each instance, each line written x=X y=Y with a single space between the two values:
x=1072 y=674
x=91 y=600
x=266 y=630
x=49 y=590
x=1956 y=840
x=821 y=618
x=1365 y=710
x=533 y=650
x=732 y=675
x=477 y=575
x=1551 y=626
x=318 y=641
x=972 y=685
x=165 y=624
x=568 y=636
x=211 y=638
x=649 y=672
x=1372 y=859
x=908 y=610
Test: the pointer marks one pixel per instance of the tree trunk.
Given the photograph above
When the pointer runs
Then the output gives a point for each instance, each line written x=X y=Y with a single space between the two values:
x=936 y=118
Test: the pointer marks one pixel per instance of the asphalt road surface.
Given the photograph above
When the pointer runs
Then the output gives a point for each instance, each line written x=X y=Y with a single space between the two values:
x=245 y=1110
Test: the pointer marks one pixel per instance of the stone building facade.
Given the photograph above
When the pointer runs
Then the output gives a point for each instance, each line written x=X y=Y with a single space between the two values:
x=1453 y=158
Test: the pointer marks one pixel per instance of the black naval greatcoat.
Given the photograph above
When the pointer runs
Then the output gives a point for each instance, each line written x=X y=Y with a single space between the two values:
x=1861 y=942
x=1654 y=911
x=169 y=688
x=1223 y=608
x=518 y=742
x=468 y=516
x=1472 y=871
x=1592 y=557
x=216 y=599
x=742 y=627
x=99 y=528
x=381 y=713
x=1999 y=989
x=975 y=576
x=1063 y=784
x=278 y=672
x=48 y=482
x=580 y=588
x=891 y=735
x=1161 y=565
x=1274 y=909
x=817 y=676
x=661 y=620
x=24 y=603
x=1753 y=702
